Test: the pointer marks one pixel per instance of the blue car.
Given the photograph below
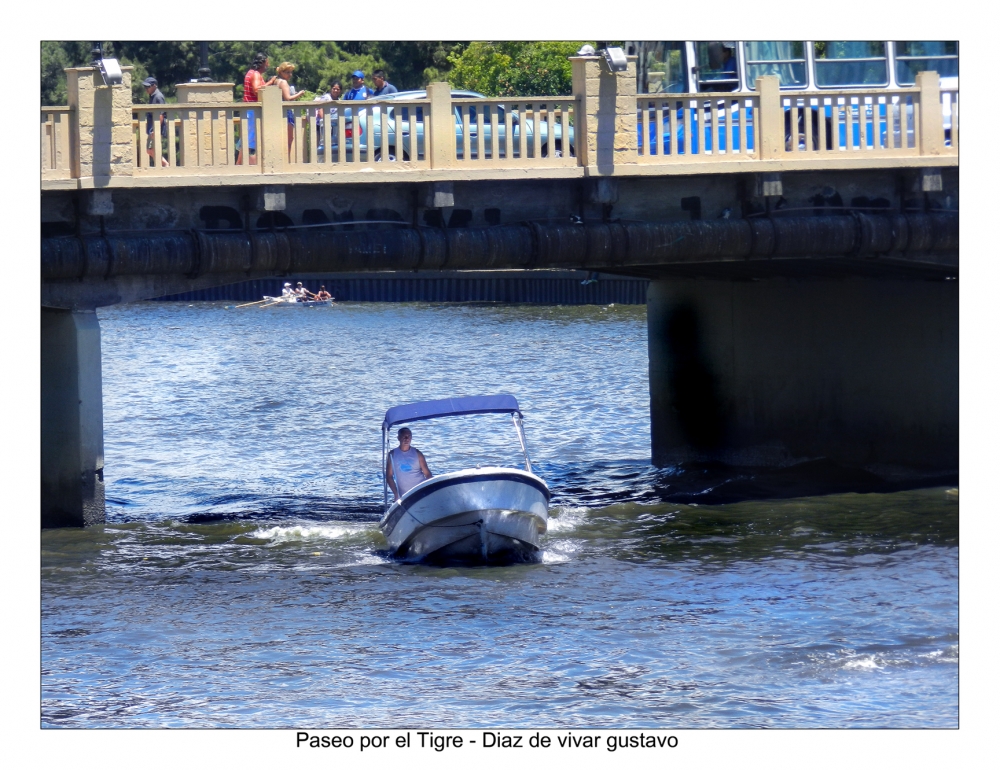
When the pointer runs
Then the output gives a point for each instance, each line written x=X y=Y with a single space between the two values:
x=879 y=118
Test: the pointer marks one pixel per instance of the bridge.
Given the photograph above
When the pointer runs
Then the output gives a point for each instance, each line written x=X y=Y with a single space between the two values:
x=802 y=248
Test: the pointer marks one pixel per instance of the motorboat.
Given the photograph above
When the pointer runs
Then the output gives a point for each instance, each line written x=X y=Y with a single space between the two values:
x=480 y=515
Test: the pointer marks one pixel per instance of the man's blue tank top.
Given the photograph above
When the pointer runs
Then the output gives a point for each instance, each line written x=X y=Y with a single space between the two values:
x=406 y=469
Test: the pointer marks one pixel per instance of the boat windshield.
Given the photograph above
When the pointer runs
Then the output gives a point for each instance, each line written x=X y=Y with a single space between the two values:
x=462 y=442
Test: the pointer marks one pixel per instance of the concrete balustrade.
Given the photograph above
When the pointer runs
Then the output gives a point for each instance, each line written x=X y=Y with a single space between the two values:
x=603 y=129
x=325 y=135
x=676 y=127
x=194 y=139
x=507 y=132
x=56 y=157
x=949 y=112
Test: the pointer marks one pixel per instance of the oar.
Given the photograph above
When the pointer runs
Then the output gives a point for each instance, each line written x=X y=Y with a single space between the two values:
x=248 y=304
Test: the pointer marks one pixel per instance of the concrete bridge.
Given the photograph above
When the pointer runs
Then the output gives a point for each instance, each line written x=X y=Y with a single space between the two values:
x=802 y=248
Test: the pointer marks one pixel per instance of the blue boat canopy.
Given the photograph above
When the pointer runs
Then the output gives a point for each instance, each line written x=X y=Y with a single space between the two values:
x=445 y=407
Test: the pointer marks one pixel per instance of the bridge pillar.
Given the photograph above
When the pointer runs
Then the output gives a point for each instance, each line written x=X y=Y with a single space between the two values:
x=72 y=419
x=442 y=144
x=606 y=122
x=101 y=125
x=274 y=136
x=931 y=121
x=775 y=371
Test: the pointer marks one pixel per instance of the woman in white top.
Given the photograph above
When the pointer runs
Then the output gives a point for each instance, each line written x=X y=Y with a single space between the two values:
x=405 y=466
x=288 y=94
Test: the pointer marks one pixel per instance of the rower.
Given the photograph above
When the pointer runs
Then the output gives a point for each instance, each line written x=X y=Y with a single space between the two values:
x=323 y=295
x=302 y=293
x=287 y=290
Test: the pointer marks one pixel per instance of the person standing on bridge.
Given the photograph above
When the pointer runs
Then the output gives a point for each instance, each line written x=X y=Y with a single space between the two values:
x=359 y=90
x=288 y=94
x=253 y=81
x=406 y=466
x=382 y=86
x=155 y=97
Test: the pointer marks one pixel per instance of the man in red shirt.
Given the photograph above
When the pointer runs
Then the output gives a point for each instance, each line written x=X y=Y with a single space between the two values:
x=252 y=82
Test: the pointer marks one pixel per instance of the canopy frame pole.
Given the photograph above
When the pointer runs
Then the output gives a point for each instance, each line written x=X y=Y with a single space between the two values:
x=520 y=437
x=385 y=479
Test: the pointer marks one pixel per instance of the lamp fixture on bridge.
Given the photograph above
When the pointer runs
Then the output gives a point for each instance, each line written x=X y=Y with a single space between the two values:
x=615 y=59
x=111 y=71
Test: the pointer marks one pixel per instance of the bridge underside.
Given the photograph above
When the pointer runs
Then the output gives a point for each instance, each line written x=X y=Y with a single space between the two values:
x=819 y=323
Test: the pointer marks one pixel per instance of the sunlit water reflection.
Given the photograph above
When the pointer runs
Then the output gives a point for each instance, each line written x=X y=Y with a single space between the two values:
x=241 y=579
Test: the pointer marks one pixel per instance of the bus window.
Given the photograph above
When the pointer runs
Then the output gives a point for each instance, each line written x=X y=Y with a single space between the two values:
x=717 y=69
x=662 y=68
x=925 y=56
x=851 y=63
x=787 y=60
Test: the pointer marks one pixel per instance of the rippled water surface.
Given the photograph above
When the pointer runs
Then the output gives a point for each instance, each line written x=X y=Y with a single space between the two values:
x=241 y=579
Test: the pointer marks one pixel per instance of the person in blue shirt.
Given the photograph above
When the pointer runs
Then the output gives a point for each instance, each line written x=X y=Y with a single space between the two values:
x=381 y=85
x=359 y=90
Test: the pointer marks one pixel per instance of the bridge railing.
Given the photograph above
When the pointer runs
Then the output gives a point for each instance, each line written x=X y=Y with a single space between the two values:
x=195 y=138
x=601 y=128
x=57 y=159
x=515 y=132
x=875 y=123
x=774 y=125
x=689 y=127
x=339 y=135
x=949 y=115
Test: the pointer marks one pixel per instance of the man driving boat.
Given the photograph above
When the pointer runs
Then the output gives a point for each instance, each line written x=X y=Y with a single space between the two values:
x=406 y=466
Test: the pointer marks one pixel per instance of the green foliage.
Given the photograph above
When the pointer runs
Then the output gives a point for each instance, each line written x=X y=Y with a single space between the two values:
x=408 y=64
x=518 y=68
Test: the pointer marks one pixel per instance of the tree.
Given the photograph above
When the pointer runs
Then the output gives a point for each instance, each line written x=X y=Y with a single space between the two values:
x=409 y=64
x=519 y=68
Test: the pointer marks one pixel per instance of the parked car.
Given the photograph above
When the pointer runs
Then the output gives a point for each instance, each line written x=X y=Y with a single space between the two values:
x=356 y=130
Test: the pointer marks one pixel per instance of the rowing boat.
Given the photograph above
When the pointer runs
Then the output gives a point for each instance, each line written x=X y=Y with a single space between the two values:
x=290 y=300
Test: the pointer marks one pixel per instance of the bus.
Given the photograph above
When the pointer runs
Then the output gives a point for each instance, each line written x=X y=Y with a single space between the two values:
x=723 y=66
x=732 y=67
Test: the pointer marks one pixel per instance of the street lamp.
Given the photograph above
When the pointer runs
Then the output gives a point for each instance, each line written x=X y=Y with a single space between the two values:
x=110 y=70
x=204 y=73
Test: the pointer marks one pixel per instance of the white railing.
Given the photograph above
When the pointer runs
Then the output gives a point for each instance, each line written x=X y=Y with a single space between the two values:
x=353 y=134
x=57 y=160
x=874 y=123
x=195 y=138
x=515 y=132
x=677 y=128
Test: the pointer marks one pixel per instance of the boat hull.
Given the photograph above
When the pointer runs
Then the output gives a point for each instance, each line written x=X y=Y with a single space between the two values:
x=276 y=301
x=482 y=516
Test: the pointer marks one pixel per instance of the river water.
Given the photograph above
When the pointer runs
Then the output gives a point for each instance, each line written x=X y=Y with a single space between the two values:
x=241 y=580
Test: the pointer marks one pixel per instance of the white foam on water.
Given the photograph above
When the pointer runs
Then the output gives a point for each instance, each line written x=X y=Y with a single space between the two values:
x=300 y=532
x=863 y=663
x=550 y=556
x=568 y=519
x=949 y=655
